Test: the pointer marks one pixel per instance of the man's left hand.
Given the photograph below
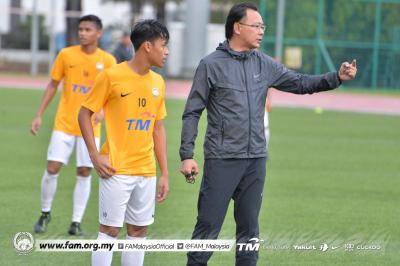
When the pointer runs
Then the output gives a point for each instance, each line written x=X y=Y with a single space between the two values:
x=348 y=71
x=163 y=188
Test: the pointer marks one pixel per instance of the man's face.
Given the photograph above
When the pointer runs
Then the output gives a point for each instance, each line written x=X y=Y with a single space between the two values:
x=158 y=52
x=250 y=29
x=88 y=33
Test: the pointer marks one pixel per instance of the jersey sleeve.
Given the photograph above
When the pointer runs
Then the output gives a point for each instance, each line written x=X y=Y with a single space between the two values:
x=58 y=71
x=162 y=111
x=99 y=94
x=105 y=148
x=110 y=61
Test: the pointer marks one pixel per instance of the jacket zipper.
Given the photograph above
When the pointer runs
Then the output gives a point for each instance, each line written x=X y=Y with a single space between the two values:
x=248 y=103
x=222 y=132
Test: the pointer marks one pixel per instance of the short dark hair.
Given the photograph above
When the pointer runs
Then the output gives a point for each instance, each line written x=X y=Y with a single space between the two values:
x=92 y=18
x=148 y=30
x=236 y=13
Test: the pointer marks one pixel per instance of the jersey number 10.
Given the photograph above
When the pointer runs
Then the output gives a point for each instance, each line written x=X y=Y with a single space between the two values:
x=142 y=102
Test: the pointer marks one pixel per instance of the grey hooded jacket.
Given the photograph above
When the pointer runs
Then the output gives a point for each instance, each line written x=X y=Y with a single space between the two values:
x=233 y=87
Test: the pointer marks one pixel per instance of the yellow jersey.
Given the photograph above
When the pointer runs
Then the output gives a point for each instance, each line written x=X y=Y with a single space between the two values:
x=131 y=104
x=78 y=71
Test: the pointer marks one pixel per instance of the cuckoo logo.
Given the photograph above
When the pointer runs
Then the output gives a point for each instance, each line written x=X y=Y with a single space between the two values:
x=80 y=88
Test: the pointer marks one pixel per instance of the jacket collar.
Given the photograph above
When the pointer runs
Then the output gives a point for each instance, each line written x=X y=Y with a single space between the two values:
x=236 y=55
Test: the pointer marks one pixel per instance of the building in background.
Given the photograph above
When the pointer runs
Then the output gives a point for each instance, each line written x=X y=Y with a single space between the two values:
x=117 y=17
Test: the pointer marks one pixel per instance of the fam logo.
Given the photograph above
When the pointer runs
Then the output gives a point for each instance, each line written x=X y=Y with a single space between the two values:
x=155 y=92
x=252 y=245
x=141 y=124
x=80 y=88
x=23 y=243
x=99 y=66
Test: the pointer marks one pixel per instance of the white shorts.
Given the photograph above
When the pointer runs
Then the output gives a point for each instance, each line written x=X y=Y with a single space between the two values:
x=61 y=146
x=129 y=199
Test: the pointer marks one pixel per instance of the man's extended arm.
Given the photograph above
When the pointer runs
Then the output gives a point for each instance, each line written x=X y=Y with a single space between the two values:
x=48 y=95
x=293 y=82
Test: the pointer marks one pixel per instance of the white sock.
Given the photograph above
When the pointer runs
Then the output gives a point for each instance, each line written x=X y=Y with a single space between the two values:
x=48 y=190
x=81 y=197
x=102 y=258
x=132 y=258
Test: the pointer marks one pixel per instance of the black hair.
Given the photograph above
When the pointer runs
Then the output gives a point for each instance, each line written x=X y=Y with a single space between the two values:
x=236 y=13
x=148 y=30
x=92 y=18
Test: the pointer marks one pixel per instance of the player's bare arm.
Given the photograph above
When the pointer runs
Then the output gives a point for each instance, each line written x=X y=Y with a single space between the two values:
x=100 y=162
x=98 y=117
x=160 y=150
x=48 y=95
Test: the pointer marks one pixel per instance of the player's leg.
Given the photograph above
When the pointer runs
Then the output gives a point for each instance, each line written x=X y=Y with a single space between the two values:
x=80 y=199
x=134 y=258
x=139 y=215
x=59 y=151
x=106 y=233
x=82 y=185
x=114 y=194
x=248 y=198
x=220 y=179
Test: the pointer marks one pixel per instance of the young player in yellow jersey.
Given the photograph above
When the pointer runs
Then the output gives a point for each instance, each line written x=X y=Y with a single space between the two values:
x=133 y=99
x=77 y=66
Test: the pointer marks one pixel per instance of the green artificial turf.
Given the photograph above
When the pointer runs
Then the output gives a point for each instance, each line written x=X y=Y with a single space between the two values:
x=332 y=178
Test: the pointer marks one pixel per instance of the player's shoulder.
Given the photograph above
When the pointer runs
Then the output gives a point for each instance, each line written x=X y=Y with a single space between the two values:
x=69 y=54
x=107 y=55
x=156 y=76
x=158 y=80
x=70 y=50
x=115 y=71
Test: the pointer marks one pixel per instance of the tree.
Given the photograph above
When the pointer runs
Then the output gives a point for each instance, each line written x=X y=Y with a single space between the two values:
x=17 y=38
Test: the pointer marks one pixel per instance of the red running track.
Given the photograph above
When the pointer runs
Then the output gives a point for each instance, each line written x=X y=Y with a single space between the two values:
x=334 y=100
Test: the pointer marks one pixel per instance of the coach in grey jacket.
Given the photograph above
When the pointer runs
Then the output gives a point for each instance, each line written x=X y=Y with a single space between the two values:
x=232 y=84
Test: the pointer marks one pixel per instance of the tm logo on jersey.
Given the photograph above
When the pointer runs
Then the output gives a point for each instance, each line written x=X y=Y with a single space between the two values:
x=80 y=88
x=138 y=124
